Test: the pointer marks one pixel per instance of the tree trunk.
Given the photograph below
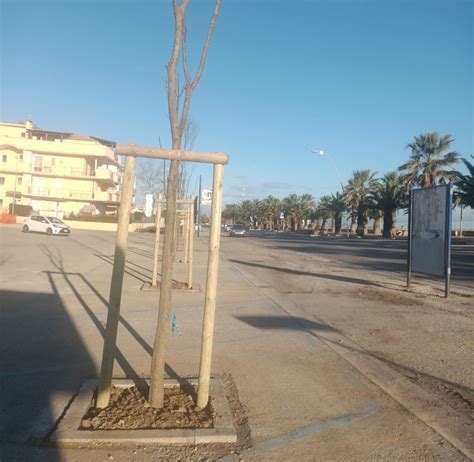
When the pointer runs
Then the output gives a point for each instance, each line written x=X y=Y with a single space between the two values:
x=322 y=230
x=377 y=228
x=337 y=224
x=177 y=126
x=361 y=222
x=353 y=220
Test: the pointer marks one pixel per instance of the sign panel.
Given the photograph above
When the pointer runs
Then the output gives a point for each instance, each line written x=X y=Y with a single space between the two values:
x=206 y=196
x=430 y=230
x=148 y=205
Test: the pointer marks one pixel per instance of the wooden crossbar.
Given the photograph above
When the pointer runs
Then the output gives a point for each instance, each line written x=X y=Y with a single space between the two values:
x=170 y=154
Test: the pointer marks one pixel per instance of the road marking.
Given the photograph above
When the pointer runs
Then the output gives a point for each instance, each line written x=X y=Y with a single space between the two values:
x=303 y=432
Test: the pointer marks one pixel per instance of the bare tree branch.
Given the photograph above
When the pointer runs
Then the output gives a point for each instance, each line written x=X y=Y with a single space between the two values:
x=191 y=86
x=206 y=45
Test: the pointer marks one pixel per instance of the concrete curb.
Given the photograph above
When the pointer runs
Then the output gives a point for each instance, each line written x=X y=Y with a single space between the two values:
x=68 y=429
x=426 y=407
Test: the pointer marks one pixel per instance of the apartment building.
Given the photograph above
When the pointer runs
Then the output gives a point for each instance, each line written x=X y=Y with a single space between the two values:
x=57 y=173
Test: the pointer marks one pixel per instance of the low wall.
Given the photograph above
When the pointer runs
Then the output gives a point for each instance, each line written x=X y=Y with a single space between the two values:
x=8 y=219
x=99 y=226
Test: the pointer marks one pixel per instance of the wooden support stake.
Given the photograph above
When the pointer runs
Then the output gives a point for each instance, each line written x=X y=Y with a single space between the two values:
x=157 y=242
x=186 y=235
x=190 y=246
x=113 y=315
x=211 y=289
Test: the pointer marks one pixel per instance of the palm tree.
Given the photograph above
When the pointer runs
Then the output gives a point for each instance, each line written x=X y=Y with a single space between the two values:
x=337 y=206
x=306 y=206
x=232 y=212
x=333 y=207
x=290 y=205
x=246 y=215
x=297 y=208
x=357 y=192
x=429 y=162
x=323 y=212
x=271 y=211
x=465 y=186
x=388 y=195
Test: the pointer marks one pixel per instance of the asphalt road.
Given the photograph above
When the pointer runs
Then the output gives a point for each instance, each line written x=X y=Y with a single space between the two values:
x=376 y=254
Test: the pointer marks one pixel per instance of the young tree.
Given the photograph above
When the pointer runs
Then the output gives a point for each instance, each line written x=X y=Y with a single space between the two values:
x=178 y=117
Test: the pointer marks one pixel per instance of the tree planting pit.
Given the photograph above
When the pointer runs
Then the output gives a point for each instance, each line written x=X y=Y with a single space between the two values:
x=129 y=419
x=177 y=286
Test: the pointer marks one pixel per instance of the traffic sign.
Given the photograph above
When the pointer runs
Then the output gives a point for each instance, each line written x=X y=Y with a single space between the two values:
x=206 y=196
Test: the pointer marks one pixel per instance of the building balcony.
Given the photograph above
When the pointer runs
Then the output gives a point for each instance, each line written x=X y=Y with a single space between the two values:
x=72 y=195
x=73 y=149
x=99 y=174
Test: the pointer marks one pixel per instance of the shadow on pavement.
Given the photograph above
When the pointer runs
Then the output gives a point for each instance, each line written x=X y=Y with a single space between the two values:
x=43 y=359
x=57 y=262
x=283 y=322
x=459 y=395
x=332 y=277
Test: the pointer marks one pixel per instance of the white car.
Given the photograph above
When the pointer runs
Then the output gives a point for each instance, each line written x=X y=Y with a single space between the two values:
x=44 y=224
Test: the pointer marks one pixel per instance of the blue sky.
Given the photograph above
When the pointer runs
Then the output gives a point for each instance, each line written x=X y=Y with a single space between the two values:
x=357 y=78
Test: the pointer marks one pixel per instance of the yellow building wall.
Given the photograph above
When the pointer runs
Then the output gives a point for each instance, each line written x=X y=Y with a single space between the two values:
x=64 y=194
x=10 y=130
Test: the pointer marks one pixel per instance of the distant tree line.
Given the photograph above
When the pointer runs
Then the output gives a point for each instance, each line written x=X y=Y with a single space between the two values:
x=365 y=196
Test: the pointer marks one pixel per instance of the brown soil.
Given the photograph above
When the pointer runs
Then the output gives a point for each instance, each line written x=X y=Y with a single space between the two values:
x=128 y=410
x=175 y=284
x=388 y=297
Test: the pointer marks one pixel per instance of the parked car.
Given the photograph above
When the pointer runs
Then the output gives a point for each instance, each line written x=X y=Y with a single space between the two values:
x=45 y=224
x=237 y=230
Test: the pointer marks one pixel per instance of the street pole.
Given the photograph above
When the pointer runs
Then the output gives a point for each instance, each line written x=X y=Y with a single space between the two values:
x=156 y=250
x=199 y=208
x=14 y=187
x=323 y=153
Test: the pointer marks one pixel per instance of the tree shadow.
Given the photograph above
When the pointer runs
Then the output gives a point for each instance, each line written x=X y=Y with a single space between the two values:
x=290 y=322
x=43 y=363
x=57 y=262
x=283 y=323
x=332 y=277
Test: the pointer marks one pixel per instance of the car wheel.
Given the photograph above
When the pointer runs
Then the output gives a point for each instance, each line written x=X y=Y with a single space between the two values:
x=25 y=228
x=49 y=231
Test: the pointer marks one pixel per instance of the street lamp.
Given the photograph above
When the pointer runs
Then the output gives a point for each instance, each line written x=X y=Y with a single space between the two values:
x=323 y=153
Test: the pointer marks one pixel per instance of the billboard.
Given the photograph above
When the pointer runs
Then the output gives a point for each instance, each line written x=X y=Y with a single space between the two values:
x=430 y=230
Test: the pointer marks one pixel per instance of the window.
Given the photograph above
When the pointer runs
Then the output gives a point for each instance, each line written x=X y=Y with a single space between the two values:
x=21 y=156
x=1 y=202
x=4 y=158
x=2 y=180
x=19 y=181
x=53 y=161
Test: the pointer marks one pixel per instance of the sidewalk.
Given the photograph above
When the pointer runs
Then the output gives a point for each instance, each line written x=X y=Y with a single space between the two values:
x=302 y=399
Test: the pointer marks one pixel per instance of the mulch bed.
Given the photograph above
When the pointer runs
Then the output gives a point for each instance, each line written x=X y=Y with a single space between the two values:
x=128 y=410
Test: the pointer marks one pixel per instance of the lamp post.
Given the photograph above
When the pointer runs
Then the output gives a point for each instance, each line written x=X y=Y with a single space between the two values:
x=323 y=153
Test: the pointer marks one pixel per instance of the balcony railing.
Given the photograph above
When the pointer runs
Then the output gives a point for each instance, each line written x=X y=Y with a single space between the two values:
x=73 y=194
x=58 y=170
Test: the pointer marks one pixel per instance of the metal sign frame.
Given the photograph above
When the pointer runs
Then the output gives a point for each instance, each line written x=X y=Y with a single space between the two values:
x=447 y=236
